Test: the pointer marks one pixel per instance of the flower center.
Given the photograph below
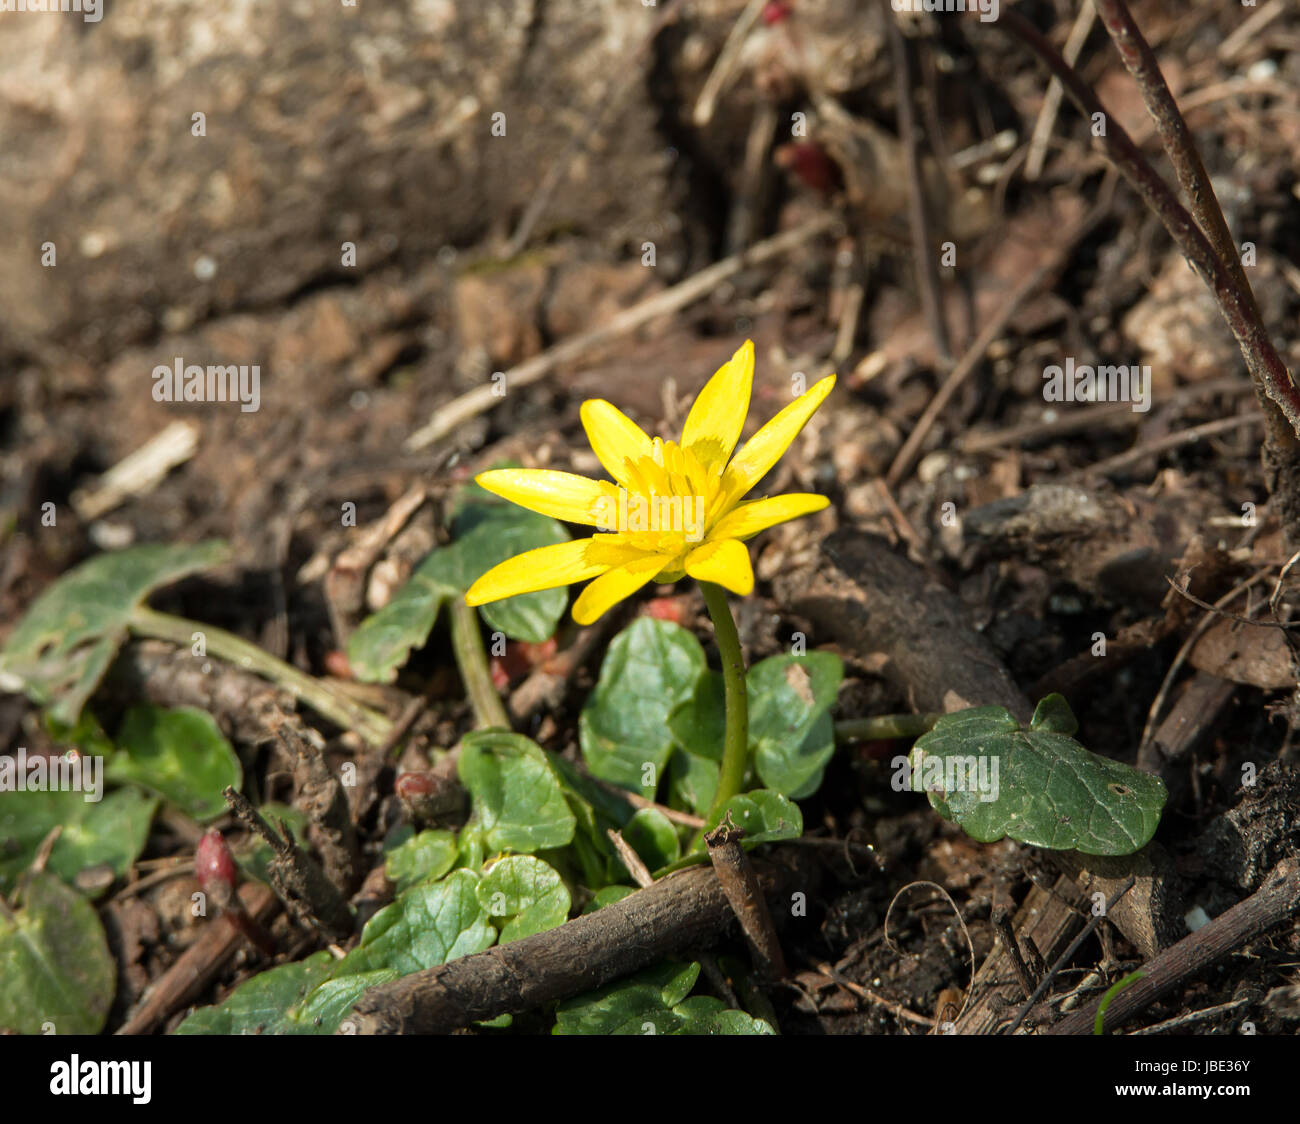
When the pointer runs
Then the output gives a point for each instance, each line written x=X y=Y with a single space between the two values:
x=666 y=504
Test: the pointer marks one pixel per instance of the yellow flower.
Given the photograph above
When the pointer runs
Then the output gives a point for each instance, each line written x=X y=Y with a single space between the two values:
x=675 y=507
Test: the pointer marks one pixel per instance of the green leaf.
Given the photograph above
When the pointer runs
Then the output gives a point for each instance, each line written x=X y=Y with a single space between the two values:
x=607 y=895
x=262 y=1005
x=65 y=643
x=790 y=730
x=766 y=817
x=699 y=723
x=704 y=1014
x=1036 y=785
x=327 y=1005
x=692 y=782
x=1054 y=716
x=485 y=534
x=429 y=924
x=653 y=1002
x=384 y=640
x=55 y=967
x=296 y=998
x=425 y=857
x=112 y=830
x=488 y=534
x=651 y=668
x=653 y=836
x=181 y=754
x=527 y=891
x=517 y=800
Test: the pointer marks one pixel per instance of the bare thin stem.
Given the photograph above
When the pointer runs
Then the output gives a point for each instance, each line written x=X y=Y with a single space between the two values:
x=885 y=727
x=1272 y=380
x=342 y=711
x=1198 y=191
x=471 y=659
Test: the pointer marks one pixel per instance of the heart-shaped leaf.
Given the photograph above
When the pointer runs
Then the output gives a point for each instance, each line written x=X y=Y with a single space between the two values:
x=527 y=894
x=765 y=817
x=486 y=533
x=518 y=803
x=56 y=973
x=651 y=667
x=384 y=640
x=262 y=1005
x=1037 y=785
x=790 y=731
x=112 y=830
x=424 y=857
x=181 y=754
x=429 y=924
x=63 y=646
x=653 y=837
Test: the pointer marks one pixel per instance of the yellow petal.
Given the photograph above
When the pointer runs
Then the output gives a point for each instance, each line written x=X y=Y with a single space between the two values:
x=614 y=437
x=614 y=585
x=543 y=568
x=713 y=426
x=750 y=518
x=562 y=495
x=767 y=446
x=724 y=562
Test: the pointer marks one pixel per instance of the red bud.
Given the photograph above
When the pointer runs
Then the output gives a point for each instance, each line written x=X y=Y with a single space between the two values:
x=215 y=867
x=774 y=11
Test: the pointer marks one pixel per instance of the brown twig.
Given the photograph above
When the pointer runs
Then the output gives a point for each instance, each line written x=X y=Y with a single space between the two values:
x=1272 y=380
x=677 y=912
x=1042 y=132
x=630 y=859
x=1117 y=415
x=1164 y=444
x=319 y=794
x=1273 y=903
x=1198 y=190
x=862 y=992
x=199 y=965
x=736 y=876
x=299 y=882
x=1064 y=958
x=1006 y=934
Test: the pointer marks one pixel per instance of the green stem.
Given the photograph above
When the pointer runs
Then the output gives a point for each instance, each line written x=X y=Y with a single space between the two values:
x=327 y=702
x=471 y=659
x=884 y=727
x=735 y=748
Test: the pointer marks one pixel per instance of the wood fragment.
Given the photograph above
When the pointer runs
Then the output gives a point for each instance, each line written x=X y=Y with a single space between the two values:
x=1273 y=903
x=736 y=876
x=684 y=910
x=198 y=965
x=301 y=884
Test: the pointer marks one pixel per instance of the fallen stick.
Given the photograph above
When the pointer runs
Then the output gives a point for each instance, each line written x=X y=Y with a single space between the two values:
x=199 y=964
x=452 y=415
x=1274 y=902
x=684 y=910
